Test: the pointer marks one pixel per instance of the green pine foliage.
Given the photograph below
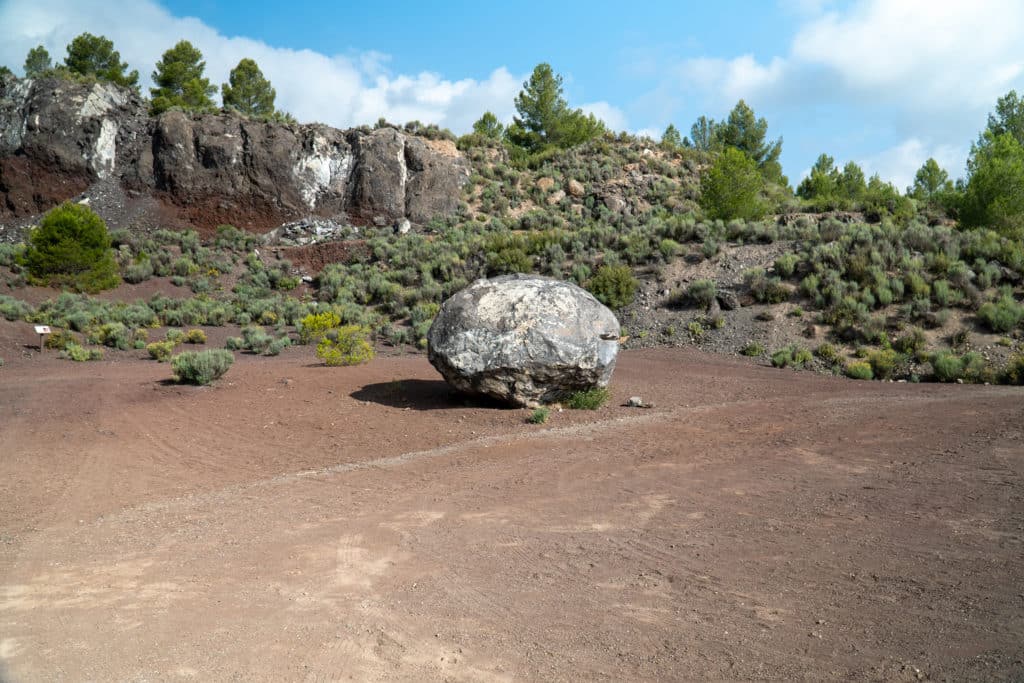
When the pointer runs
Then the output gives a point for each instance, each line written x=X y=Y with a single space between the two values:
x=248 y=91
x=179 y=81
x=95 y=57
x=732 y=188
x=71 y=247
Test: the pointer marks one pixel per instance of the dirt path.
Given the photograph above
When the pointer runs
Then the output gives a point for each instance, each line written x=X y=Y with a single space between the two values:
x=304 y=523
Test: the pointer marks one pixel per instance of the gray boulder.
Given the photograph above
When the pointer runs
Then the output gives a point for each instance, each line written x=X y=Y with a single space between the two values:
x=523 y=339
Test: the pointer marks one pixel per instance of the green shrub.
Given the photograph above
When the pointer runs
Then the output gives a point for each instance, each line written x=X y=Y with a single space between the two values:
x=791 y=356
x=753 y=349
x=1001 y=316
x=234 y=344
x=911 y=342
x=278 y=345
x=315 y=326
x=14 y=309
x=201 y=367
x=614 y=286
x=947 y=367
x=61 y=339
x=71 y=247
x=1013 y=373
x=539 y=416
x=828 y=352
x=859 y=370
x=348 y=345
x=175 y=336
x=195 y=336
x=883 y=363
x=256 y=339
x=80 y=353
x=786 y=264
x=731 y=188
x=589 y=399
x=161 y=350
x=702 y=292
x=764 y=289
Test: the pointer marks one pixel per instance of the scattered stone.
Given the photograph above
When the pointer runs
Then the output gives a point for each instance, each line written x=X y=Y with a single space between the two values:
x=523 y=339
x=545 y=183
x=555 y=197
x=637 y=402
x=575 y=188
x=812 y=331
x=728 y=300
x=403 y=226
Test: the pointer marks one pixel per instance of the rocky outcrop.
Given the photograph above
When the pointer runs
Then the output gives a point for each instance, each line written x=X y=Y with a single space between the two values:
x=58 y=138
x=523 y=339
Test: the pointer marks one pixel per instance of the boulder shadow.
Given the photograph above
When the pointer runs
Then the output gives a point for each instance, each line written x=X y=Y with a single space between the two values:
x=422 y=394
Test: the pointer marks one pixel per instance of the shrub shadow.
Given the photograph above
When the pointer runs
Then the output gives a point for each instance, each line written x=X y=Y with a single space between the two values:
x=421 y=394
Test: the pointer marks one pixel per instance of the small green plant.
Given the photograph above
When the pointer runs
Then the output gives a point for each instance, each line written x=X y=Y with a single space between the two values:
x=315 y=326
x=587 y=399
x=201 y=367
x=883 y=363
x=947 y=367
x=792 y=356
x=539 y=415
x=702 y=292
x=614 y=286
x=828 y=352
x=859 y=370
x=81 y=354
x=161 y=351
x=696 y=330
x=195 y=336
x=175 y=336
x=1001 y=316
x=753 y=349
x=348 y=345
x=278 y=345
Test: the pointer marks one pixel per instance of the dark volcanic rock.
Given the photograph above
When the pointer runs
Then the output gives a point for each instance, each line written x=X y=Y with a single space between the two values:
x=60 y=138
x=523 y=339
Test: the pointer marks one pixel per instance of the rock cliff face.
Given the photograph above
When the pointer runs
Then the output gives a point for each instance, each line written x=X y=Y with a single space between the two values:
x=59 y=139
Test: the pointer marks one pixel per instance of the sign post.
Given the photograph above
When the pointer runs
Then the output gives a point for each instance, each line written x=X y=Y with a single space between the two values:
x=42 y=331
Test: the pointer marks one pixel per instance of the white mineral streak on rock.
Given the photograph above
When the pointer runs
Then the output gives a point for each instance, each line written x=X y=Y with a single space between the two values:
x=105 y=150
x=320 y=171
x=100 y=100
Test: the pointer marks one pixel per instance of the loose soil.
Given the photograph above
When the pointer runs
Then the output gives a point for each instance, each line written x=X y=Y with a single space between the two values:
x=297 y=522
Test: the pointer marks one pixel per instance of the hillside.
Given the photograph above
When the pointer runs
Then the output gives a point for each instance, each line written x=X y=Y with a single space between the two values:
x=381 y=225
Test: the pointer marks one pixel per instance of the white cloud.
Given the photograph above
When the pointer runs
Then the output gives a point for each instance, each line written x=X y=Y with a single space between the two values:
x=613 y=117
x=900 y=163
x=338 y=90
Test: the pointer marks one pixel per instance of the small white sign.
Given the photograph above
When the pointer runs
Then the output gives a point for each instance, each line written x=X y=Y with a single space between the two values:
x=42 y=329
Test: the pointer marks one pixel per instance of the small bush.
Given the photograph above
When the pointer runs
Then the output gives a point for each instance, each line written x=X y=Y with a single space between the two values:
x=1001 y=316
x=161 y=351
x=195 y=336
x=278 y=345
x=61 y=339
x=348 y=345
x=589 y=399
x=175 y=336
x=702 y=292
x=201 y=367
x=753 y=349
x=539 y=416
x=315 y=326
x=614 y=286
x=828 y=352
x=859 y=370
x=234 y=344
x=791 y=356
x=947 y=367
x=256 y=339
x=911 y=342
x=80 y=353
x=883 y=363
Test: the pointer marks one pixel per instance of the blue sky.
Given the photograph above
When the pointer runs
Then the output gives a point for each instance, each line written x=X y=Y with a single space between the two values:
x=885 y=83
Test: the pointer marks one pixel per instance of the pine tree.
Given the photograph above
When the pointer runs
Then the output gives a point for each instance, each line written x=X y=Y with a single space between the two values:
x=95 y=56
x=248 y=91
x=37 y=62
x=180 y=82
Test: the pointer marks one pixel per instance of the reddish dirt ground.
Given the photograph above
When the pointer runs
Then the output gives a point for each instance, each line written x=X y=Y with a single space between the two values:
x=297 y=522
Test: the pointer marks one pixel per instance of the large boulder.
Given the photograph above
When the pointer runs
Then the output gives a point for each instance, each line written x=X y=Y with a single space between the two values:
x=523 y=339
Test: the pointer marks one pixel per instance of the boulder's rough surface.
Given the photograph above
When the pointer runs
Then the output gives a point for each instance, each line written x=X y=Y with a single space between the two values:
x=523 y=339
x=60 y=139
